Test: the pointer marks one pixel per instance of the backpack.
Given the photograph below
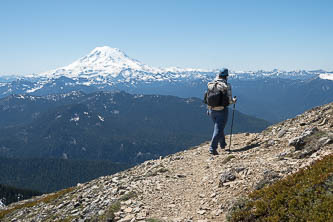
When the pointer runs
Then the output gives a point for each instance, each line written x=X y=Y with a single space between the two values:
x=216 y=97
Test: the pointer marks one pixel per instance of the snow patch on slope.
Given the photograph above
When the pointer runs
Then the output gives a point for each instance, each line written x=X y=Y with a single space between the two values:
x=328 y=76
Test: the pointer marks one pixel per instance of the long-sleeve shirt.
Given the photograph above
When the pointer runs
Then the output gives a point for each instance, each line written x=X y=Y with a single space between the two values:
x=221 y=85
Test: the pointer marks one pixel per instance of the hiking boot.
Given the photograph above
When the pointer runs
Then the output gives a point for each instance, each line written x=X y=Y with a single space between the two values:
x=214 y=152
x=223 y=146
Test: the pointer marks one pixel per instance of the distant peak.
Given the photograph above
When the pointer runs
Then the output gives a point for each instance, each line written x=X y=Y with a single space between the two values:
x=107 y=50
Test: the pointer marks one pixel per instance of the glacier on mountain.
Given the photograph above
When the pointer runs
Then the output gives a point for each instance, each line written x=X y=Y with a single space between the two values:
x=102 y=61
x=328 y=76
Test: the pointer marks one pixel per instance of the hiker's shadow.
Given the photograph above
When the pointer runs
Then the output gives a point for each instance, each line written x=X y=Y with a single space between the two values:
x=245 y=148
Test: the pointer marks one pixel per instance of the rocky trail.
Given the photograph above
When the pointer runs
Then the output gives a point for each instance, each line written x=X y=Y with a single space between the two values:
x=191 y=185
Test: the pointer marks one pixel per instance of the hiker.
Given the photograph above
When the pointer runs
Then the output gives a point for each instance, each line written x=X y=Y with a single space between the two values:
x=217 y=98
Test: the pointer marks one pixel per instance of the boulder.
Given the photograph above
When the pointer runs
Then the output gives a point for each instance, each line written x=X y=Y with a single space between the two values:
x=227 y=176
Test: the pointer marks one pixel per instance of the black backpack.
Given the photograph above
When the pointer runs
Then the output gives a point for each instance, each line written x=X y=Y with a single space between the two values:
x=216 y=97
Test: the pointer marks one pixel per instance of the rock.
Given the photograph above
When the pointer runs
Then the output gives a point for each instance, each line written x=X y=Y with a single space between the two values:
x=201 y=212
x=136 y=210
x=59 y=207
x=142 y=215
x=269 y=143
x=74 y=211
x=118 y=214
x=179 y=219
x=308 y=151
x=218 y=212
x=114 y=191
x=226 y=177
x=269 y=177
x=281 y=156
x=282 y=132
x=128 y=218
x=180 y=176
x=309 y=132
x=239 y=169
x=2 y=206
x=121 y=192
x=297 y=142
x=323 y=122
x=128 y=202
x=324 y=141
x=94 y=187
x=213 y=195
x=128 y=210
x=77 y=204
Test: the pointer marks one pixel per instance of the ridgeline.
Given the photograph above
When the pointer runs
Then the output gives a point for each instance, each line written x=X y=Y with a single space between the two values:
x=247 y=184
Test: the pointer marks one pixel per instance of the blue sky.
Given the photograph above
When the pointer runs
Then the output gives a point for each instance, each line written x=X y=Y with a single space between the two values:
x=37 y=36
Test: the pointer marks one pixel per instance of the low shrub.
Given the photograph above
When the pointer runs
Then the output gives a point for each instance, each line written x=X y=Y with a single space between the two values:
x=304 y=196
x=46 y=199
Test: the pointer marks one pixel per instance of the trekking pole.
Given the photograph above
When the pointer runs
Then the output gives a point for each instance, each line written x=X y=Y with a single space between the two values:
x=232 y=123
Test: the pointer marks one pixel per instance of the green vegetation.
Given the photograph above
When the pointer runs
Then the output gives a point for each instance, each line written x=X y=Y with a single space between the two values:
x=128 y=196
x=119 y=127
x=113 y=209
x=109 y=215
x=45 y=199
x=157 y=171
x=154 y=220
x=49 y=175
x=304 y=196
x=10 y=194
x=228 y=158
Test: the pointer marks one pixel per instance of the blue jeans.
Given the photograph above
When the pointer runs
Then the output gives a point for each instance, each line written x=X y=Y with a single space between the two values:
x=220 y=119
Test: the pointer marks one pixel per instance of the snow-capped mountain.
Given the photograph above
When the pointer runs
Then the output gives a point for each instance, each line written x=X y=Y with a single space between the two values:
x=110 y=69
x=110 y=65
x=102 y=61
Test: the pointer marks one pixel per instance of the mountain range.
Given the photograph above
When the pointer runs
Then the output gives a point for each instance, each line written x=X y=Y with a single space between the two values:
x=287 y=93
x=51 y=142
x=114 y=126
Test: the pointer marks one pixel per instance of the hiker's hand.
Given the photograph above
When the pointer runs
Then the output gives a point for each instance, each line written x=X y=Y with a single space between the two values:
x=234 y=99
x=207 y=112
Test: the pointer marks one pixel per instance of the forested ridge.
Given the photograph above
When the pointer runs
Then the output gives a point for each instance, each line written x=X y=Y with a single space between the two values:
x=47 y=175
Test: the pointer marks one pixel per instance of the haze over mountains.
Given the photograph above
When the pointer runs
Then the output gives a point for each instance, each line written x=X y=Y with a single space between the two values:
x=288 y=93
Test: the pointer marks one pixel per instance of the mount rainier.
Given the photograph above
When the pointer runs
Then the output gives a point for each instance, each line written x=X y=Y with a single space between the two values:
x=111 y=66
x=104 y=64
